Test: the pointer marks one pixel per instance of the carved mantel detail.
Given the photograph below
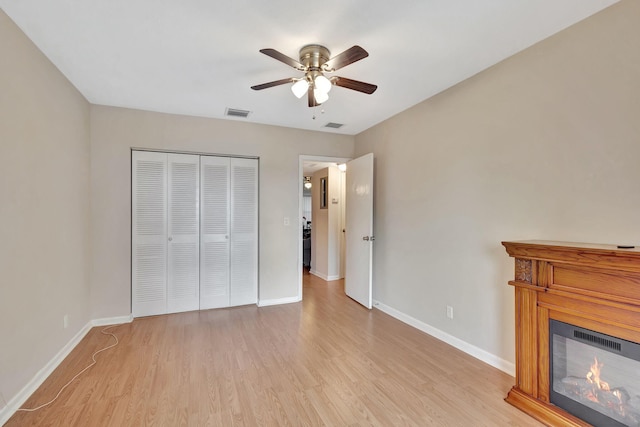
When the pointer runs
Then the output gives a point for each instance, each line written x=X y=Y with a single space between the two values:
x=523 y=270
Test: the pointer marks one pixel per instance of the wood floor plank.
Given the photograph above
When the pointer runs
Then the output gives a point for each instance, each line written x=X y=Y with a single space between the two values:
x=324 y=361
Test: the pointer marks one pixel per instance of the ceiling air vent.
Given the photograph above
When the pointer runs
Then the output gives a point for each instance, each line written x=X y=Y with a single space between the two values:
x=334 y=125
x=234 y=112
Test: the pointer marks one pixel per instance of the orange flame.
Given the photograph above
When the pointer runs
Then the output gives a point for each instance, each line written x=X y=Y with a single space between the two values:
x=594 y=375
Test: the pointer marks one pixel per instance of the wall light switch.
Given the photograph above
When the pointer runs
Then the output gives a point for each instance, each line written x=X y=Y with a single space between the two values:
x=286 y=220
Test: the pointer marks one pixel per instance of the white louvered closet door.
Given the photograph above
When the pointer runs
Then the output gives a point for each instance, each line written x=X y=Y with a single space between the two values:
x=183 y=257
x=149 y=233
x=214 y=232
x=194 y=232
x=244 y=232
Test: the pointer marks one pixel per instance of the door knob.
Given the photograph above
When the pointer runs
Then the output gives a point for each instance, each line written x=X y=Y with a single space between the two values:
x=170 y=238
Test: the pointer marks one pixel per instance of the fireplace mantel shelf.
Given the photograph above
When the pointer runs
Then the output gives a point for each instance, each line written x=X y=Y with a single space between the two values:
x=596 y=287
x=576 y=253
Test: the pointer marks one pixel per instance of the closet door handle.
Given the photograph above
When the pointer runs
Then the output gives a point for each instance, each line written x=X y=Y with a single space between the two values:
x=170 y=239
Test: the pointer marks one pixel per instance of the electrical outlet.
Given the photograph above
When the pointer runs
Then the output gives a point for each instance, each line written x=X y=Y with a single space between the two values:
x=450 y=312
x=286 y=220
x=65 y=321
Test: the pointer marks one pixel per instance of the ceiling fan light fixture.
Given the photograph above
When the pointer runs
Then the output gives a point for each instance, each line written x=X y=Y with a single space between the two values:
x=300 y=87
x=322 y=83
x=320 y=96
x=315 y=60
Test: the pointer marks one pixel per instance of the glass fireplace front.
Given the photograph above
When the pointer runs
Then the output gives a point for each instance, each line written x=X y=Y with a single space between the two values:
x=594 y=376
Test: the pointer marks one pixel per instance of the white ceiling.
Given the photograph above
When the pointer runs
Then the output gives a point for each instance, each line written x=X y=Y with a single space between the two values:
x=199 y=57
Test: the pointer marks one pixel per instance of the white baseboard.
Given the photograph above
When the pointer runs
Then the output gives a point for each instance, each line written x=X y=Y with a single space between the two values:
x=18 y=400
x=470 y=349
x=315 y=273
x=324 y=276
x=278 y=301
x=112 y=320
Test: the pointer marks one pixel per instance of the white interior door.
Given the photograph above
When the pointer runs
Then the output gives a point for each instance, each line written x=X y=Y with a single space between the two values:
x=214 y=237
x=359 y=229
x=149 y=233
x=183 y=229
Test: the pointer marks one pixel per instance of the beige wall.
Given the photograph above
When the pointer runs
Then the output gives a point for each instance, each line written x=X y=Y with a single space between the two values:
x=44 y=210
x=115 y=130
x=334 y=227
x=545 y=145
x=327 y=225
x=319 y=227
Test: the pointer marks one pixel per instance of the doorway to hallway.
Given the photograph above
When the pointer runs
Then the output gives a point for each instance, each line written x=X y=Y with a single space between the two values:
x=321 y=225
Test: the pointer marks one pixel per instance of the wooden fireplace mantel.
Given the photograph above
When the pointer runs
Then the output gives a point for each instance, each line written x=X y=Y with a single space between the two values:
x=596 y=287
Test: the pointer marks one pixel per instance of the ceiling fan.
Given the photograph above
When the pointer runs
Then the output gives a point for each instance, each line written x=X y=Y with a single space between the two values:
x=315 y=61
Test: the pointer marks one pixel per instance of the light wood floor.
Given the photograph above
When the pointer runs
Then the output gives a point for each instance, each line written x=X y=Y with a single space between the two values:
x=325 y=361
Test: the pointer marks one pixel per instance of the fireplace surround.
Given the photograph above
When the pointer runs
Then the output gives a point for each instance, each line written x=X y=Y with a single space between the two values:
x=595 y=291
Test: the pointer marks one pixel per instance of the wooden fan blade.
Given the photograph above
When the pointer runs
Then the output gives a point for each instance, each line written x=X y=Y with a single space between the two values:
x=312 y=99
x=283 y=58
x=272 y=84
x=354 y=85
x=349 y=56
